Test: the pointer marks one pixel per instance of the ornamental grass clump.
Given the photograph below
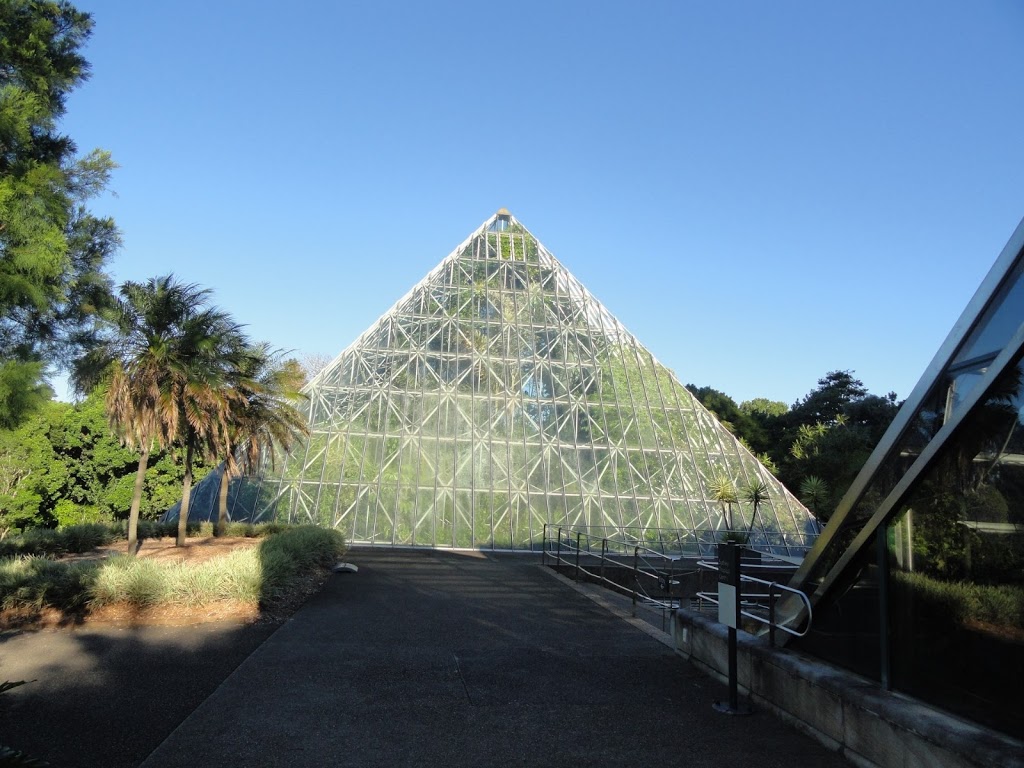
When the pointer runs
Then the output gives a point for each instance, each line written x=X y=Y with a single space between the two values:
x=62 y=541
x=298 y=550
x=235 y=576
x=37 y=582
x=264 y=573
x=131 y=580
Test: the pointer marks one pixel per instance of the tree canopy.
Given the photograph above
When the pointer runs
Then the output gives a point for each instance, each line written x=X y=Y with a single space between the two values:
x=65 y=466
x=816 y=447
x=53 y=251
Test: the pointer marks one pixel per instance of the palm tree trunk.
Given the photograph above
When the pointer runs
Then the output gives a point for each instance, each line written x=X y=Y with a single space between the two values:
x=222 y=503
x=186 y=493
x=133 y=514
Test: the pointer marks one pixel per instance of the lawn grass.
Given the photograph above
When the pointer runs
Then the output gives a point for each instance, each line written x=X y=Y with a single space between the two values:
x=258 y=575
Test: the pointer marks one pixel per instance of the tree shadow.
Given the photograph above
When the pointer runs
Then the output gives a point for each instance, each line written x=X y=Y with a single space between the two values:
x=108 y=695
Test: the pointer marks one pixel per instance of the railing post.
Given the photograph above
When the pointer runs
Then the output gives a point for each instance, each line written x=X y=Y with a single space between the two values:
x=671 y=577
x=544 y=545
x=558 y=560
x=604 y=551
x=771 y=614
x=636 y=561
x=578 y=534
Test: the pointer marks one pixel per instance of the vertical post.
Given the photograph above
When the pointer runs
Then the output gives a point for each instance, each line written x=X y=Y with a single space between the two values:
x=882 y=546
x=771 y=614
x=558 y=560
x=578 y=534
x=544 y=546
x=636 y=560
x=729 y=600
x=671 y=577
x=604 y=551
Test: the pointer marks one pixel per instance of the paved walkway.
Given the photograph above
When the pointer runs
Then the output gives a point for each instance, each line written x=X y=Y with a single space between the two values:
x=442 y=659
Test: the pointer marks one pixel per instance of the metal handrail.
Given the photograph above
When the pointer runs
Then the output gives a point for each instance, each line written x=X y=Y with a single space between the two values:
x=772 y=587
x=574 y=546
x=692 y=542
x=572 y=540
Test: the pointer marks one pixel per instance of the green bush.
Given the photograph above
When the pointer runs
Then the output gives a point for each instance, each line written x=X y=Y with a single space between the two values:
x=87 y=536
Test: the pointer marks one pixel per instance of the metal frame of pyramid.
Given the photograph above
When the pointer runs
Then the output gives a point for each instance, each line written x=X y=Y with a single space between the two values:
x=497 y=396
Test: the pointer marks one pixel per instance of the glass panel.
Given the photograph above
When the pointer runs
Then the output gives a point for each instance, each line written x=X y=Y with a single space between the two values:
x=957 y=569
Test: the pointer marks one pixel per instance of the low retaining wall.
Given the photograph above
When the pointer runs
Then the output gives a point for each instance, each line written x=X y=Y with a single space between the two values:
x=849 y=713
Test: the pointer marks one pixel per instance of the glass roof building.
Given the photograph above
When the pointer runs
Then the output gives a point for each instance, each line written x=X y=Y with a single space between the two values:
x=918 y=578
x=497 y=396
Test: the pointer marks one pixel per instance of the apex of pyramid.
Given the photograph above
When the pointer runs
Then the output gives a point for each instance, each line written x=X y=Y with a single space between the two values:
x=501 y=221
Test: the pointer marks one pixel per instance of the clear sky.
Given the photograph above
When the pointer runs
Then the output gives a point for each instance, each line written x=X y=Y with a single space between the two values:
x=761 y=192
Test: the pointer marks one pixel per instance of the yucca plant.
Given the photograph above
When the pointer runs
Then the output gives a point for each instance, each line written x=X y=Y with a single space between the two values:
x=754 y=493
x=814 y=493
x=723 y=490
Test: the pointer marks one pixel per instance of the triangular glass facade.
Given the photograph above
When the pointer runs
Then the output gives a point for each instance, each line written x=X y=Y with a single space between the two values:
x=499 y=395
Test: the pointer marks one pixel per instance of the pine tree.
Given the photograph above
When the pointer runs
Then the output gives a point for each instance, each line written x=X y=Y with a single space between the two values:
x=52 y=249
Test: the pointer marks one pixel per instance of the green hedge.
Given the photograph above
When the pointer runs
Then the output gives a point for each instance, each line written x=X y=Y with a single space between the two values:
x=963 y=601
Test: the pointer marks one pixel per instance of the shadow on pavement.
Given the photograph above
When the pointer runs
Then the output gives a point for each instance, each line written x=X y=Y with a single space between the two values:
x=107 y=696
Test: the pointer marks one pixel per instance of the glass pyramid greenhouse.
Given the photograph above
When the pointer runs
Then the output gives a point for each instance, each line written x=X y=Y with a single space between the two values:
x=496 y=396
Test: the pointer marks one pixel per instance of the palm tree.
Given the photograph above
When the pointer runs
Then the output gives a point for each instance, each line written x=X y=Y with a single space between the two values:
x=212 y=352
x=264 y=418
x=754 y=493
x=723 y=490
x=814 y=492
x=136 y=360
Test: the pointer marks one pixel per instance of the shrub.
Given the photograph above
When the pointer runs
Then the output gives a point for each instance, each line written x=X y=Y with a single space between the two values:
x=82 y=538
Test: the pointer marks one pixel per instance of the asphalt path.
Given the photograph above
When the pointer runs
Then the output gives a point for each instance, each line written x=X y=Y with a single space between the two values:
x=421 y=658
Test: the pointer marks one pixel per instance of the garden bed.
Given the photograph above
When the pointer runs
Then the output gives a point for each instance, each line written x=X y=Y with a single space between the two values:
x=236 y=578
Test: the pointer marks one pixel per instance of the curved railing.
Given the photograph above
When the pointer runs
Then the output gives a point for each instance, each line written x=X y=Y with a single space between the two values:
x=655 y=571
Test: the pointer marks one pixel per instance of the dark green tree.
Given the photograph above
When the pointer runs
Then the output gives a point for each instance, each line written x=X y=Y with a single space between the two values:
x=829 y=434
x=52 y=250
x=64 y=465
x=732 y=417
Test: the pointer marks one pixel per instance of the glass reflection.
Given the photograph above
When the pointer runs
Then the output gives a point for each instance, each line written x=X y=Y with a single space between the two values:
x=957 y=568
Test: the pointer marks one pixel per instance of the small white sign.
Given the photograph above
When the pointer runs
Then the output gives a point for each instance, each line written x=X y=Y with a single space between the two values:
x=727 y=605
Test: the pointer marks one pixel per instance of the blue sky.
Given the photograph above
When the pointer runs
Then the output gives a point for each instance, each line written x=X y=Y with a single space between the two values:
x=761 y=192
